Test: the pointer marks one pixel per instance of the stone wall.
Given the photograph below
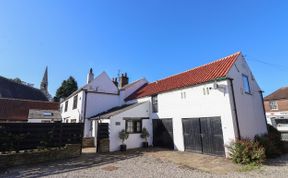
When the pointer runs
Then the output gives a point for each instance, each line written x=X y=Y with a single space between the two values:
x=103 y=145
x=16 y=159
x=88 y=142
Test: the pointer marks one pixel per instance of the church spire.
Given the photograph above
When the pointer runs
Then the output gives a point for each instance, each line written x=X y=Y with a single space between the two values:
x=44 y=84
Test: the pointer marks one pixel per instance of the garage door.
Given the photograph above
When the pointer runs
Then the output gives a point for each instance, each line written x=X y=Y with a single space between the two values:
x=203 y=135
x=163 y=133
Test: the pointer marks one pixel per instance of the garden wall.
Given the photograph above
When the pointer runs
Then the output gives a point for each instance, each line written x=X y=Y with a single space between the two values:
x=24 y=158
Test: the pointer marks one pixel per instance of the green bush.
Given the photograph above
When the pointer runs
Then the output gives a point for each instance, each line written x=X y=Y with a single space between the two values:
x=123 y=135
x=145 y=134
x=247 y=152
x=271 y=142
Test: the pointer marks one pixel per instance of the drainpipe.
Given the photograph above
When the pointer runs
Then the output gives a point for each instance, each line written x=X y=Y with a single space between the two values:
x=264 y=111
x=235 y=108
x=84 y=117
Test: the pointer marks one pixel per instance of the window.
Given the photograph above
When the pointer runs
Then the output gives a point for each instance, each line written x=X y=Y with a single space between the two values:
x=155 y=103
x=75 y=101
x=134 y=126
x=246 y=85
x=66 y=106
x=183 y=95
x=273 y=105
x=73 y=120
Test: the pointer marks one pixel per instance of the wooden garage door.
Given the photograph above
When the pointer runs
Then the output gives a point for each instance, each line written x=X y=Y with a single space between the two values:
x=163 y=133
x=203 y=135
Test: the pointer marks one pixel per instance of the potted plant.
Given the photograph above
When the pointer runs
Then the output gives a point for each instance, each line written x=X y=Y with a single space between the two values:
x=145 y=134
x=123 y=135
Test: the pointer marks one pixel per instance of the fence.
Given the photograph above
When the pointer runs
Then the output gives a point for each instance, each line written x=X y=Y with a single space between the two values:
x=27 y=136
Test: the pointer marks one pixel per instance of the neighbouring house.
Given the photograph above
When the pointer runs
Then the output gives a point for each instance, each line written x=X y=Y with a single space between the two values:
x=18 y=110
x=98 y=95
x=14 y=90
x=43 y=115
x=200 y=110
x=21 y=102
x=276 y=106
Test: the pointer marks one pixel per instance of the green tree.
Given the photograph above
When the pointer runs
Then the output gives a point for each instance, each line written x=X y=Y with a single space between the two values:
x=66 y=89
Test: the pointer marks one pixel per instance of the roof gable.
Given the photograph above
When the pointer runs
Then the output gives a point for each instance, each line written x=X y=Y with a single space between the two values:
x=103 y=83
x=198 y=75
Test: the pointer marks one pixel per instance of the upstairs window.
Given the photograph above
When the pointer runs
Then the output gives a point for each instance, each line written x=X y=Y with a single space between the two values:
x=155 y=103
x=273 y=105
x=75 y=102
x=66 y=106
x=246 y=84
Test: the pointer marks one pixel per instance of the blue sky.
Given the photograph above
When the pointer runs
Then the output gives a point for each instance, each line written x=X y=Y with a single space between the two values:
x=151 y=38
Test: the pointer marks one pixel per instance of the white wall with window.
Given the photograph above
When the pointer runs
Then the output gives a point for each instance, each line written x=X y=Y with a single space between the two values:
x=133 y=121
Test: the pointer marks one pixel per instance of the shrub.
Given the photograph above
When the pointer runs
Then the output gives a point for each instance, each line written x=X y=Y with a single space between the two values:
x=271 y=142
x=123 y=135
x=247 y=152
x=145 y=134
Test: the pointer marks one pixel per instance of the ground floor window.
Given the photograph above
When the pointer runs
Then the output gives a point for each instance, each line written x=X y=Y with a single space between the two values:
x=134 y=126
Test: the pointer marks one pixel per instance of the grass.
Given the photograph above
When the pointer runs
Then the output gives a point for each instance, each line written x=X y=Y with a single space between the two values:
x=250 y=167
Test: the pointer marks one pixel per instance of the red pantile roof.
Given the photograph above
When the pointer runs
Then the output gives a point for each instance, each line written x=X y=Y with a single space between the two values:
x=198 y=75
x=18 y=110
x=279 y=94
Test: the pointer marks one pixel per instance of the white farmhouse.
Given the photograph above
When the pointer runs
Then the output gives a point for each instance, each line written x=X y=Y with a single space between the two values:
x=98 y=95
x=200 y=110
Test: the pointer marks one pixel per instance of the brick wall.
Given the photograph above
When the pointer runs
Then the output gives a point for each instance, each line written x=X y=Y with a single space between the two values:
x=282 y=106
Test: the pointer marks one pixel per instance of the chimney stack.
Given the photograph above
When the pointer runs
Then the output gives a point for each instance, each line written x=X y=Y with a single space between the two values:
x=114 y=80
x=90 y=76
x=123 y=80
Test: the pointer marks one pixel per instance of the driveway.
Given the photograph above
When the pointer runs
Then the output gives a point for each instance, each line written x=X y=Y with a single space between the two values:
x=146 y=163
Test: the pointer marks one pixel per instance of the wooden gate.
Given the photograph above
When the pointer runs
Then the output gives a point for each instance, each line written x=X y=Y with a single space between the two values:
x=163 y=133
x=203 y=135
x=103 y=141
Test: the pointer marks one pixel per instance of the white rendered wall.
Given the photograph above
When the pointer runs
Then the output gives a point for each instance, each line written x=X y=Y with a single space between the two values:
x=98 y=103
x=195 y=105
x=73 y=113
x=251 y=114
x=134 y=140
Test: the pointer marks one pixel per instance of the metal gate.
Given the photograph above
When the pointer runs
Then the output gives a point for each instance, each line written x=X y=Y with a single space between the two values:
x=203 y=135
x=163 y=133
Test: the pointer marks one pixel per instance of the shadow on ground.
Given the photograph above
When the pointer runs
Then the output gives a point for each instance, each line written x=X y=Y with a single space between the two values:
x=86 y=160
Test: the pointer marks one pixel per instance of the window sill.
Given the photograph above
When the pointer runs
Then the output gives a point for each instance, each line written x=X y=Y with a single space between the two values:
x=134 y=133
x=248 y=93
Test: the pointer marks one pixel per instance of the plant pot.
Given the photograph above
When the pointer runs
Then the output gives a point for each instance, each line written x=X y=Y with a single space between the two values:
x=145 y=144
x=123 y=147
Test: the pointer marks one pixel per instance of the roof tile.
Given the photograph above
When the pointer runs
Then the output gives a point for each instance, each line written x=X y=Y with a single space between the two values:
x=198 y=75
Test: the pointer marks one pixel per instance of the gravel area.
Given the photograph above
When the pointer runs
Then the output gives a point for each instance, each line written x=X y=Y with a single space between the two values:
x=134 y=166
